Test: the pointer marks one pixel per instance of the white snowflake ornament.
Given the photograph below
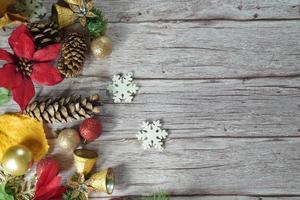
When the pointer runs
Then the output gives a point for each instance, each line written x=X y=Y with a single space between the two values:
x=122 y=89
x=152 y=135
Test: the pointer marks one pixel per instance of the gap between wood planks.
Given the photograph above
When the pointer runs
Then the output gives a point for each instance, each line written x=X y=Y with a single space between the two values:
x=244 y=78
x=220 y=197
x=203 y=20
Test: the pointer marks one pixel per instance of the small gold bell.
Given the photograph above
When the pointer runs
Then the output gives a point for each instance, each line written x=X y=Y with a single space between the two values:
x=85 y=160
x=103 y=181
x=64 y=16
x=76 y=2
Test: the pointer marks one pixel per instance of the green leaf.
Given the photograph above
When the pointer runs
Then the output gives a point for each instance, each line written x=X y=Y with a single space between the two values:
x=4 y=96
x=3 y=193
x=97 y=25
x=68 y=195
x=158 y=196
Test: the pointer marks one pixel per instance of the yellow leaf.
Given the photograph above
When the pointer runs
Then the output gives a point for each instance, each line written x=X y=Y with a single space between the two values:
x=4 y=5
x=16 y=129
x=11 y=18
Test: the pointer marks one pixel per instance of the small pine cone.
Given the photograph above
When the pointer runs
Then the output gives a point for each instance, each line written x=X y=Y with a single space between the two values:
x=64 y=109
x=44 y=33
x=73 y=55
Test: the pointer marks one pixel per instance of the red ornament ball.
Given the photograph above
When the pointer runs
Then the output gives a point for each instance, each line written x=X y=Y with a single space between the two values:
x=90 y=129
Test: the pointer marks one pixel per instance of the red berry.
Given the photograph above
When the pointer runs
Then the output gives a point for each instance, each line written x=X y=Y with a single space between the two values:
x=90 y=129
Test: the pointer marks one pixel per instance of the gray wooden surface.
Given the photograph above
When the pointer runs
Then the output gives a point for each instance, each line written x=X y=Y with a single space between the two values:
x=223 y=76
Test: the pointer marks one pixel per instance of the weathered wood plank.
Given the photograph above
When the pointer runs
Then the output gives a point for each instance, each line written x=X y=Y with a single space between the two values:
x=202 y=166
x=203 y=50
x=192 y=109
x=200 y=50
x=196 y=198
x=233 y=198
x=144 y=10
x=195 y=108
x=215 y=198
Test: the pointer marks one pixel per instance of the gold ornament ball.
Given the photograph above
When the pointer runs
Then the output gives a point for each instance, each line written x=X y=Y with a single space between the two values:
x=101 y=47
x=69 y=139
x=17 y=160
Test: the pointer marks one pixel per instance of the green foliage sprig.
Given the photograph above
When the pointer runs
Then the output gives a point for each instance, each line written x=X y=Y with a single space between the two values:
x=5 y=96
x=158 y=196
x=97 y=25
x=68 y=195
x=16 y=187
x=4 y=194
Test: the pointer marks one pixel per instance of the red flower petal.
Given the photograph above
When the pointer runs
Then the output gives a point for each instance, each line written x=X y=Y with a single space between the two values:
x=47 y=189
x=58 y=193
x=4 y=55
x=15 y=35
x=10 y=78
x=45 y=74
x=24 y=47
x=46 y=170
x=24 y=93
x=45 y=165
x=48 y=53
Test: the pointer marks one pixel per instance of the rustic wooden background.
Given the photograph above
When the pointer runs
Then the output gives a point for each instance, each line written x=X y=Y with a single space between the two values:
x=223 y=76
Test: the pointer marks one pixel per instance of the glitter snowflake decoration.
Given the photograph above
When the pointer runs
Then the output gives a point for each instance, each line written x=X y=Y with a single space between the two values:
x=122 y=89
x=152 y=135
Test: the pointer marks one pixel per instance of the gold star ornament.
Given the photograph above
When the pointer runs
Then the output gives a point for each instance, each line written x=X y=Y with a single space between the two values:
x=79 y=186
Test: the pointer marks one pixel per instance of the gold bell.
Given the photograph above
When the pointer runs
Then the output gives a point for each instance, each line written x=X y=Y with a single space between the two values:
x=103 y=181
x=84 y=160
x=64 y=16
x=76 y=2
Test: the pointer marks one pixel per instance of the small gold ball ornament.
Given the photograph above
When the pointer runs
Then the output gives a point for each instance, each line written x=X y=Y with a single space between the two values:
x=69 y=139
x=17 y=160
x=101 y=47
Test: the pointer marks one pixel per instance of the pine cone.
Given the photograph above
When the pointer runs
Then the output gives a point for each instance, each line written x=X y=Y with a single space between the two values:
x=64 y=109
x=44 y=33
x=73 y=55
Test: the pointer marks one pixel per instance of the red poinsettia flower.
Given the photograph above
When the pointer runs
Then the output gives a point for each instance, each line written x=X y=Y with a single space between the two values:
x=27 y=64
x=48 y=186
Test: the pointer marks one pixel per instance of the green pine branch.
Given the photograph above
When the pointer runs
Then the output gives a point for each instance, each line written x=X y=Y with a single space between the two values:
x=158 y=196
x=97 y=25
x=68 y=195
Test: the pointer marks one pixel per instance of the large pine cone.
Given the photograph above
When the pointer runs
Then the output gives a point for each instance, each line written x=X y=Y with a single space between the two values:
x=64 y=109
x=73 y=55
x=44 y=33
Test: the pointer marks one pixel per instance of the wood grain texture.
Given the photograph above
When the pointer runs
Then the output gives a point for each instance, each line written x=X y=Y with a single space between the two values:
x=196 y=108
x=228 y=197
x=145 y=10
x=200 y=50
x=201 y=166
x=223 y=76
